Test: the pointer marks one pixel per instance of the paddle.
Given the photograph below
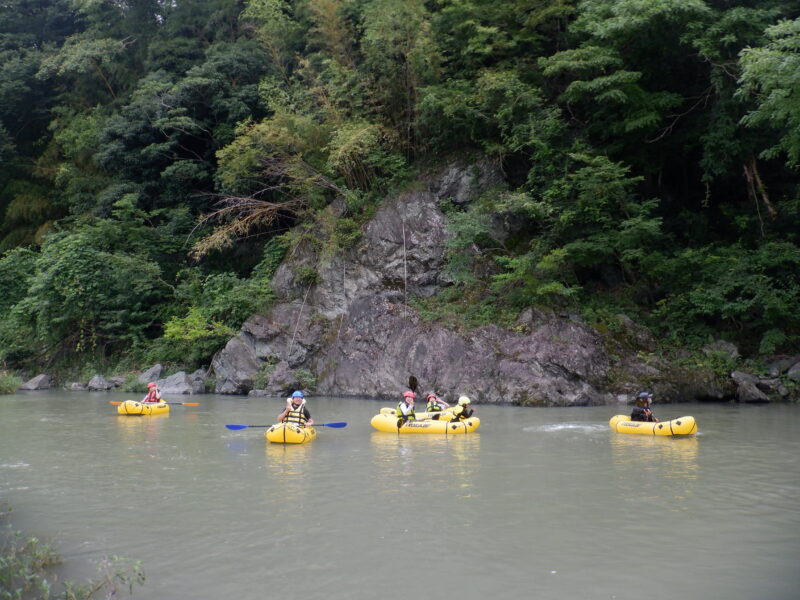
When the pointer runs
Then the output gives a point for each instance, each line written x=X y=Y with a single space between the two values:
x=334 y=425
x=117 y=403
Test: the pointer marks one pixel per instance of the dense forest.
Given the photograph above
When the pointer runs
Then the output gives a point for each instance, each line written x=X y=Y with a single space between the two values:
x=161 y=157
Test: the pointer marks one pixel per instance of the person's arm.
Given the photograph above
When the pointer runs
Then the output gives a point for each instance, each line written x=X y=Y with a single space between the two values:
x=282 y=416
x=309 y=420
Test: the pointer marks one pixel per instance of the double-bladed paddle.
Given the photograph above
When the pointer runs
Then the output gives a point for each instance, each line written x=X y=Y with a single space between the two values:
x=117 y=403
x=334 y=425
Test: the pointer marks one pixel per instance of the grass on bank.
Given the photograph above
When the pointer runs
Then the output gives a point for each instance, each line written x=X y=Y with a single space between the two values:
x=27 y=564
x=9 y=383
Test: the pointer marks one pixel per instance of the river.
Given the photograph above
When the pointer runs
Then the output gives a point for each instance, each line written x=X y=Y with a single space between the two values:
x=545 y=503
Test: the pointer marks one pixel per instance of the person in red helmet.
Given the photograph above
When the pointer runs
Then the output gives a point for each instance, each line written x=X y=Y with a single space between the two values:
x=405 y=408
x=435 y=404
x=153 y=393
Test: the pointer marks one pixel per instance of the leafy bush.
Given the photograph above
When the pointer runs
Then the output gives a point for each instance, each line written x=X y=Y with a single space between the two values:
x=9 y=383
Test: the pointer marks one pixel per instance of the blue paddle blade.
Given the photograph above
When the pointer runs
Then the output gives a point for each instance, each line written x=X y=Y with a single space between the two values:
x=334 y=425
x=236 y=427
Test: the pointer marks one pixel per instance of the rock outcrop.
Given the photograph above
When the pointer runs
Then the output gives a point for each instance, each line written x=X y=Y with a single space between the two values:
x=354 y=331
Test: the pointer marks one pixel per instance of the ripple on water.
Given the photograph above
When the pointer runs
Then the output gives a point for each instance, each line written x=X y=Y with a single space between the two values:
x=556 y=427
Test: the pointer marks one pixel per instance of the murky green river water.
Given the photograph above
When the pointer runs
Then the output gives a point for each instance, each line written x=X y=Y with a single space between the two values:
x=539 y=503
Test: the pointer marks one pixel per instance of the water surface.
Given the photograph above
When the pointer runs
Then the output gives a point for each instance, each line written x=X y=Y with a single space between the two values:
x=546 y=503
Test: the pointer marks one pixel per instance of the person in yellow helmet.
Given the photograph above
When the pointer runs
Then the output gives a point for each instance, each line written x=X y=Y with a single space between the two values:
x=462 y=410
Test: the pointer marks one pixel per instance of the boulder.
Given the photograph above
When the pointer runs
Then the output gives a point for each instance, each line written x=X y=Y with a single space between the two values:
x=77 y=386
x=794 y=372
x=198 y=381
x=176 y=384
x=40 y=382
x=235 y=366
x=98 y=383
x=747 y=388
x=151 y=374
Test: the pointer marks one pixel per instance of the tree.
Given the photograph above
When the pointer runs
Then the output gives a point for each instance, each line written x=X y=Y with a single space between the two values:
x=771 y=74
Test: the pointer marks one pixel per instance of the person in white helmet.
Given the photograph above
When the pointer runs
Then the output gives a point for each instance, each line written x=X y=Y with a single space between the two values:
x=462 y=410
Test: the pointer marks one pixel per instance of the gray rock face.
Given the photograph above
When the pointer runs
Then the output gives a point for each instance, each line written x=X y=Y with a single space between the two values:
x=235 y=366
x=40 y=382
x=355 y=333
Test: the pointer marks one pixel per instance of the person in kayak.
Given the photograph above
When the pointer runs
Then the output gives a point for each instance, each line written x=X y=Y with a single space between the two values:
x=153 y=393
x=642 y=412
x=435 y=404
x=405 y=408
x=296 y=411
x=462 y=410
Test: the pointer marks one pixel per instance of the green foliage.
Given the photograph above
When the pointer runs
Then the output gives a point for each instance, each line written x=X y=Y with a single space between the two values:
x=754 y=293
x=9 y=383
x=772 y=74
x=306 y=379
x=462 y=308
x=214 y=307
x=622 y=128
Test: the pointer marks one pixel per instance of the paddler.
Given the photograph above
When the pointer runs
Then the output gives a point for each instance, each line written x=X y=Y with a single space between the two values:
x=462 y=410
x=435 y=404
x=405 y=408
x=642 y=412
x=153 y=393
x=296 y=411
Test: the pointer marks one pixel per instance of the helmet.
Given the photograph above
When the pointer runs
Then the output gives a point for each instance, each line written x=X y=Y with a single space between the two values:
x=463 y=400
x=409 y=394
x=152 y=384
x=430 y=395
x=643 y=395
x=297 y=394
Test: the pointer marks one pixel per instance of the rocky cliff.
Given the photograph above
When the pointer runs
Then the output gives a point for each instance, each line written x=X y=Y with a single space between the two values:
x=353 y=332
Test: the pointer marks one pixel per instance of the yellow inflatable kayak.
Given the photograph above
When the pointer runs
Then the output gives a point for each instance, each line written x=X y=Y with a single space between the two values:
x=132 y=407
x=679 y=426
x=289 y=433
x=388 y=423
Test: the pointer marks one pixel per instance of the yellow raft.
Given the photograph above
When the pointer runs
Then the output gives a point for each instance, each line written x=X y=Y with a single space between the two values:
x=132 y=407
x=679 y=426
x=388 y=423
x=289 y=433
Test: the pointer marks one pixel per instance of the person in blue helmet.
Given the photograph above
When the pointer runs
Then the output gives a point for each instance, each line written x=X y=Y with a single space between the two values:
x=296 y=411
x=642 y=412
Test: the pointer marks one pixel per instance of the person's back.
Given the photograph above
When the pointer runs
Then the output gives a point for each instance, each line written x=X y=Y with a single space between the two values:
x=462 y=410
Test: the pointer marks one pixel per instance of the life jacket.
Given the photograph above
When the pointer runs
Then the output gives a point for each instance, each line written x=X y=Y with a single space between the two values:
x=434 y=406
x=638 y=414
x=409 y=416
x=296 y=415
x=152 y=396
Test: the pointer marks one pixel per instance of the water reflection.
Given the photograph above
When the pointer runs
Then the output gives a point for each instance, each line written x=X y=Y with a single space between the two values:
x=288 y=466
x=140 y=429
x=409 y=459
x=656 y=468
